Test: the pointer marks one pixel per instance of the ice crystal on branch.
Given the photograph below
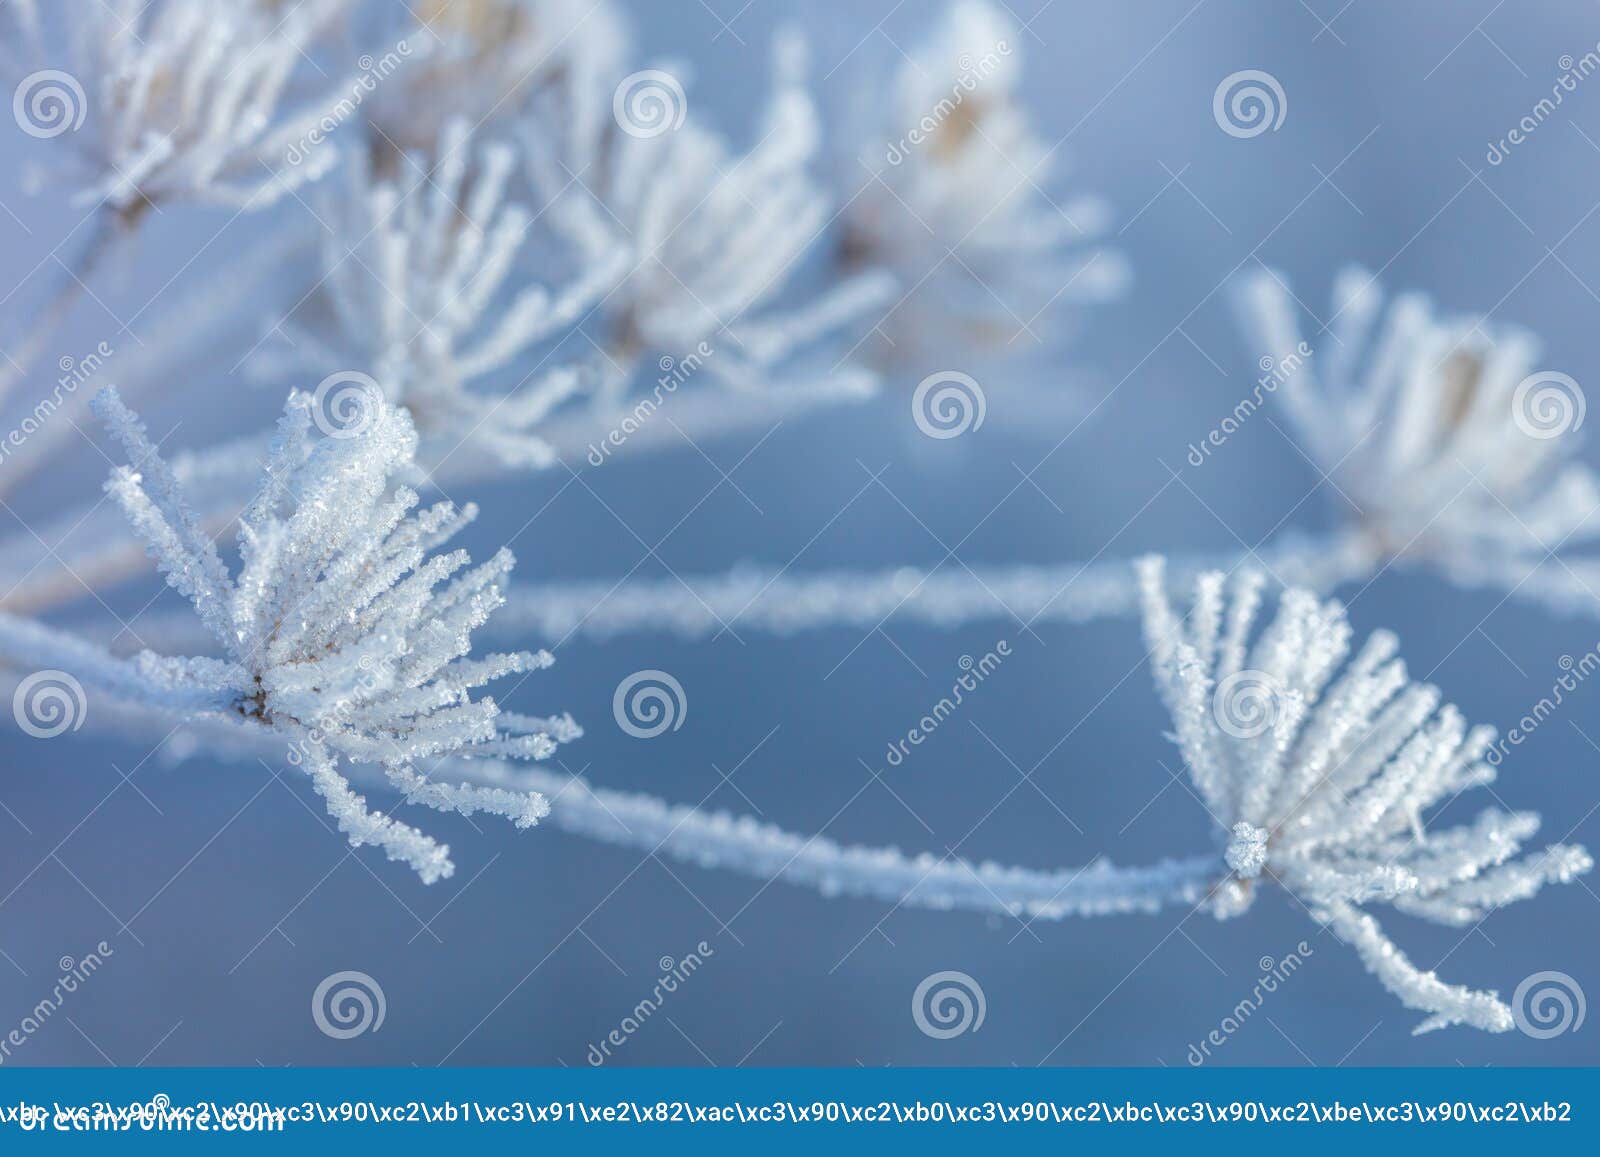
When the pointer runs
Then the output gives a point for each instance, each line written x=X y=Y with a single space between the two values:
x=1437 y=429
x=342 y=630
x=1321 y=773
x=417 y=283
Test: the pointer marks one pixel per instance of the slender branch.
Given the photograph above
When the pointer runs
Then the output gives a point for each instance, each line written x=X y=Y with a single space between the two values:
x=743 y=845
x=784 y=603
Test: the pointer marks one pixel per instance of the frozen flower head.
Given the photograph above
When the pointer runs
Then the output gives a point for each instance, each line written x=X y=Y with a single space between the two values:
x=341 y=630
x=1320 y=774
x=482 y=60
x=420 y=288
x=714 y=235
x=1437 y=430
x=176 y=99
x=954 y=197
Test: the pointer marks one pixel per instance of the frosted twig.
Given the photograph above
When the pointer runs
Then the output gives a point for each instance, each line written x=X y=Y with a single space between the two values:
x=341 y=631
x=1321 y=779
x=788 y=601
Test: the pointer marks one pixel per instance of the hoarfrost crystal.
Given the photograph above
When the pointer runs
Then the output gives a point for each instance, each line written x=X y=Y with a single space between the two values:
x=1331 y=801
x=342 y=631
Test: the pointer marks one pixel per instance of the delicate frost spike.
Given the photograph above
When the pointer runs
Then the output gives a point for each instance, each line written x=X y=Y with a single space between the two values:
x=339 y=632
x=420 y=287
x=1321 y=772
x=713 y=235
x=182 y=97
x=1436 y=428
x=954 y=199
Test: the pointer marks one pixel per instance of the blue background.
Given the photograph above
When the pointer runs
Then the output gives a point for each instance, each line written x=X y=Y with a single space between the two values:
x=543 y=942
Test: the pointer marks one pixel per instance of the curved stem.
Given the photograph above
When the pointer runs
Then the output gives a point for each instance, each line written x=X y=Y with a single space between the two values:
x=784 y=603
x=709 y=839
x=767 y=852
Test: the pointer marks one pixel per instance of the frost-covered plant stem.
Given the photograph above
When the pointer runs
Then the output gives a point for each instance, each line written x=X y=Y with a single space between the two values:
x=785 y=601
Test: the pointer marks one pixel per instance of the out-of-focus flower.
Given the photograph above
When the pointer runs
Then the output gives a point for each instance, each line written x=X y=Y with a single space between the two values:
x=1436 y=429
x=419 y=288
x=483 y=60
x=956 y=200
x=180 y=98
x=714 y=235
